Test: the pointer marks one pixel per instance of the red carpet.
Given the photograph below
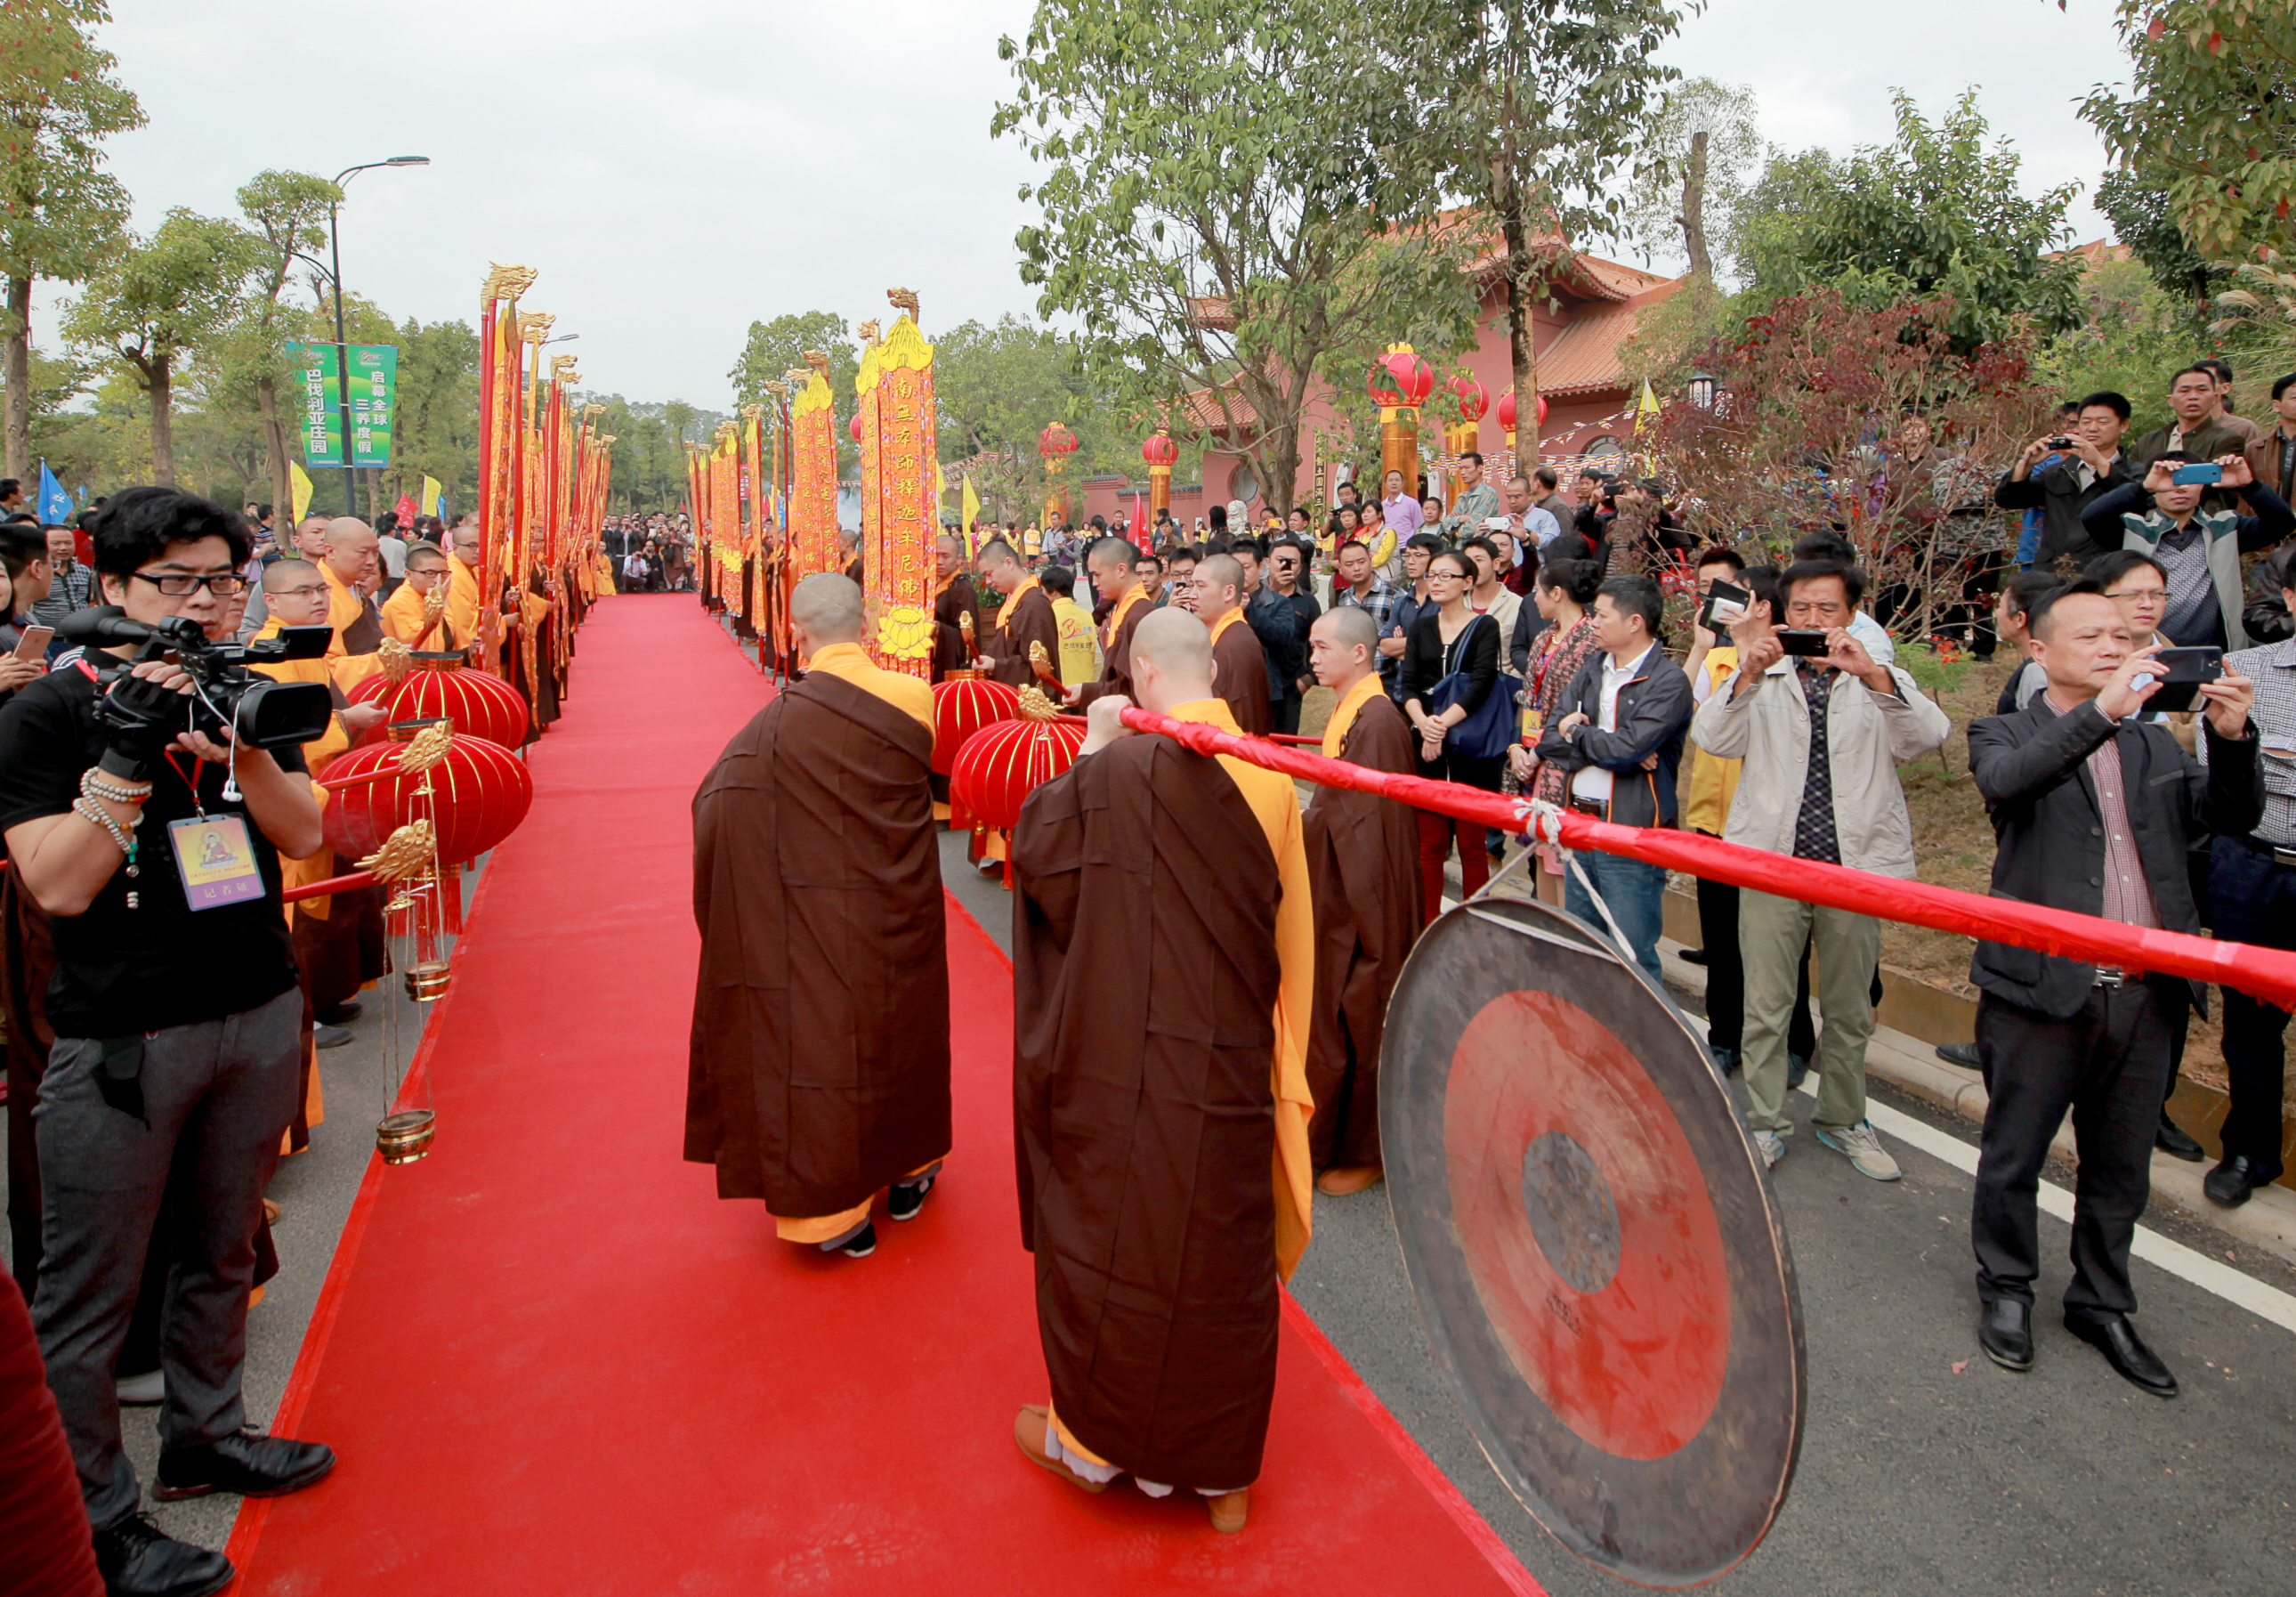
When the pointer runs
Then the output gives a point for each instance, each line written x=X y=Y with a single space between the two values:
x=551 y=1360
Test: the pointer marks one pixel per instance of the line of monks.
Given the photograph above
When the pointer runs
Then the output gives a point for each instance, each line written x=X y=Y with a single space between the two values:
x=1200 y=976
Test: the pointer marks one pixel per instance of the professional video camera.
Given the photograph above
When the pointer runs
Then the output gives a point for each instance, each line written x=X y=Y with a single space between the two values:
x=258 y=712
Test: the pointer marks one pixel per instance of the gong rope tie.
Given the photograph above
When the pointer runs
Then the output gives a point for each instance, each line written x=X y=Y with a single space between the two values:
x=1544 y=818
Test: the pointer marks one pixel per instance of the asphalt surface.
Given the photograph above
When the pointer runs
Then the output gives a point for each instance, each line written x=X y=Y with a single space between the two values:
x=1915 y=1476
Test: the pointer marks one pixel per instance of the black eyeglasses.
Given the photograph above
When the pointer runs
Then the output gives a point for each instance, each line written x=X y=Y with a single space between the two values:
x=228 y=585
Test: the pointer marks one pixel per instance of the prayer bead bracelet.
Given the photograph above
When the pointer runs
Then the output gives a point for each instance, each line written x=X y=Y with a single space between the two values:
x=93 y=784
x=89 y=809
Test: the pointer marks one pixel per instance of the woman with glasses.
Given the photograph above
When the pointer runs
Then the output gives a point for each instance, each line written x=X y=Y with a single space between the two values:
x=1451 y=640
x=1562 y=591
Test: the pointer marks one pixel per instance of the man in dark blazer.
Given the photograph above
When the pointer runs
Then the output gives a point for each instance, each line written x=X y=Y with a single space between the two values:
x=2093 y=811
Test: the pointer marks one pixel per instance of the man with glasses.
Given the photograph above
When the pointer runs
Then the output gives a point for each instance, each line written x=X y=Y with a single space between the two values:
x=1286 y=563
x=178 y=1030
x=412 y=615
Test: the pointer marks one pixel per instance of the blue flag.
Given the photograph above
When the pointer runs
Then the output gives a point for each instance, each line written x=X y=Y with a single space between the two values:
x=55 y=504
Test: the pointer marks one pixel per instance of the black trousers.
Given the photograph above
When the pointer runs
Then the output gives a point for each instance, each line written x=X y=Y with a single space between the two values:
x=2106 y=1063
x=2252 y=899
x=1285 y=713
x=1725 y=976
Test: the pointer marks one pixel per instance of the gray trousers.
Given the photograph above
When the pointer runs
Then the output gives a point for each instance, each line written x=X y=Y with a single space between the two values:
x=217 y=1097
x=1771 y=933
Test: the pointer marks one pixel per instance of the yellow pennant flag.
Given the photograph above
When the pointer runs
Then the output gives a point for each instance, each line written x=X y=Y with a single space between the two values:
x=1648 y=404
x=300 y=481
x=971 y=503
x=430 y=491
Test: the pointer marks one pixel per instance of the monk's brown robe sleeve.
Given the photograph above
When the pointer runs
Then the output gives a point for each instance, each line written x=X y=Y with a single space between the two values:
x=1241 y=679
x=1032 y=622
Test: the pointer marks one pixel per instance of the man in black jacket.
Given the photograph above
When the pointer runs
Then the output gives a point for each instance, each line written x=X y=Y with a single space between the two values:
x=2093 y=811
x=1621 y=733
x=2082 y=472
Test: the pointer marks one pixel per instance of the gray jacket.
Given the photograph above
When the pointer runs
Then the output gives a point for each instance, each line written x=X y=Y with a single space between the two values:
x=1868 y=734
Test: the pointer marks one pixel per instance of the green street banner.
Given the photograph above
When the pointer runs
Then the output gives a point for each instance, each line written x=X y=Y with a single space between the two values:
x=373 y=395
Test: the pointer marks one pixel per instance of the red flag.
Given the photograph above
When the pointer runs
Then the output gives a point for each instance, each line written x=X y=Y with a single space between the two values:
x=406 y=511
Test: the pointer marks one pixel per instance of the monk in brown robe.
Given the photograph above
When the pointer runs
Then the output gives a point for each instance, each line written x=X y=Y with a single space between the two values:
x=1114 y=564
x=954 y=598
x=1163 y=969
x=1363 y=856
x=849 y=542
x=1025 y=618
x=1239 y=663
x=819 y=1069
x=415 y=612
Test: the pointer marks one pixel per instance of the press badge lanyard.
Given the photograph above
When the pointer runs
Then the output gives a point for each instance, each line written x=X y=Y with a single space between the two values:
x=213 y=854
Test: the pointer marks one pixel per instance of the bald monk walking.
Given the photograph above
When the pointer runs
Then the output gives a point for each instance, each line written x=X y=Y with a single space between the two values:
x=1163 y=969
x=1239 y=663
x=1363 y=857
x=1114 y=565
x=820 y=1052
x=1026 y=617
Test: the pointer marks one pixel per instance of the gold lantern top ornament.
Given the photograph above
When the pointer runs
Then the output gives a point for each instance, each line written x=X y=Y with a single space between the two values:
x=534 y=325
x=508 y=282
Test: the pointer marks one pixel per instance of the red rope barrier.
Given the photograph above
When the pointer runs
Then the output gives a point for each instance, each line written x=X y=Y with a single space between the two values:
x=334 y=885
x=2268 y=974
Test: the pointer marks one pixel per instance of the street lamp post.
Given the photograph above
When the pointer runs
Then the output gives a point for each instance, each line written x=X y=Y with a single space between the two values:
x=342 y=344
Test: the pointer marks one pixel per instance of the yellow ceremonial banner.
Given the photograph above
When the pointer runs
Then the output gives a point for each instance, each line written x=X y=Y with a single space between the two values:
x=813 y=501
x=430 y=491
x=971 y=501
x=300 y=482
x=907 y=485
x=868 y=412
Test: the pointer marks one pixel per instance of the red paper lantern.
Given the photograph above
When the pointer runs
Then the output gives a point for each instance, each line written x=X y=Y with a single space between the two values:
x=1159 y=451
x=1542 y=410
x=853 y=426
x=1507 y=410
x=481 y=792
x=1473 y=401
x=1000 y=766
x=1401 y=378
x=481 y=706
x=1055 y=442
x=963 y=707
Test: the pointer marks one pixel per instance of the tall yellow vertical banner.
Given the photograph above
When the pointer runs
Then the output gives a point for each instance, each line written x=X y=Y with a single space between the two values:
x=813 y=501
x=908 y=494
x=869 y=436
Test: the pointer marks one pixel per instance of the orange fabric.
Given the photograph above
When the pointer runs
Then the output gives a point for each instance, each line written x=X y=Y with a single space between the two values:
x=344 y=608
x=402 y=618
x=1115 y=622
x=850 y=662
x=1004 y=611
x=1275 y=802
x=1223 y=624
x=1343 y=716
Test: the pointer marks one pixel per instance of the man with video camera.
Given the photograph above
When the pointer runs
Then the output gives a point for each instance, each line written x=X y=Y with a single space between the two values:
x=151 y=834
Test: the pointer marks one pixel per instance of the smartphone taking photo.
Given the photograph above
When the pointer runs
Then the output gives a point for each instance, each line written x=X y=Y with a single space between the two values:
x=2181 y=672
x=1726 y=605
x=1804 y=641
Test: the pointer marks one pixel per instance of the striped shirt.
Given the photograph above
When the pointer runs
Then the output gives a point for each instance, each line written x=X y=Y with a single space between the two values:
x=2127 y=890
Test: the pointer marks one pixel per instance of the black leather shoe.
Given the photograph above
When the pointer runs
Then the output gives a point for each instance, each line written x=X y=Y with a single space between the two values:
x=2112 y=1336
x=1692 y=956
x=2228 y=1185
x=2170 y=1140
x=136 y=1559
x=1963 y=1054
x=251 y=1465
x=342 y=1014
x=2004 y=1330
x=903 y=1199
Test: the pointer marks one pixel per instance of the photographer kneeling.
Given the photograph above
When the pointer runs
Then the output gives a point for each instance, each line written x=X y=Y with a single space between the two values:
x=156 y=848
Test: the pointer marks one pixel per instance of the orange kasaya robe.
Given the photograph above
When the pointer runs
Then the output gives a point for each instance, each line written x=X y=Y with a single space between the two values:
x=403 y=619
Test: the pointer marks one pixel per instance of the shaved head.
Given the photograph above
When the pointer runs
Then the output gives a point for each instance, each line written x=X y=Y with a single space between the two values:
x=1343 y=647
x=1171 y=660
x=283 y=574
x=996 y=556
x=1351 y=626
x=827 y=606
x=1119 y=552
x=352 y=548
x=421 y=556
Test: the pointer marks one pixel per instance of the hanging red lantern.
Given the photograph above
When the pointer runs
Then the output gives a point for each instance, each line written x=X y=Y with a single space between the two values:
x=853 y=426
x=445 y=689
x=481 y=792
x=1473 y=401
x=1055 y=442
x=1506 y=410
x=1000 y=766
x=1159 y=451
x=961 y=708
x=1542 y=410
x=1400 y=379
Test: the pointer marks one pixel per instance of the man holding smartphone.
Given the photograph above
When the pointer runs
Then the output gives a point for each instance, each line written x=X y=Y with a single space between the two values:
x=2199 y=549
x=2088 y=463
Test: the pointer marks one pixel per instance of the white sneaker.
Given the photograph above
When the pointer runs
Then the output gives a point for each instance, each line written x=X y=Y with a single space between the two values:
x=1770 y=1146
x=1866 y=1155
x=142 y=1391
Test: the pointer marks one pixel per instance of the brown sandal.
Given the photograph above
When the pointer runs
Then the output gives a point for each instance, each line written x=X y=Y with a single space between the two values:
x=1229 y=1509
x=1029 y=1429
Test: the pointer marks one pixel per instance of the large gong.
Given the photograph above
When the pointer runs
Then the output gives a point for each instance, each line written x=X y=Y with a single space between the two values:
x=1595 y=1249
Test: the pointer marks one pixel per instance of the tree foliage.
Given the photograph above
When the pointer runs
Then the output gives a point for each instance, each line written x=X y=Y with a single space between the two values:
x=1222 y=207
x=61 y=213
x=778 y=347
x=1936 y=215
x=2212 y=107
x=159 y=300
x=1540 y=115
x=1702 y=149
x=2145 y=218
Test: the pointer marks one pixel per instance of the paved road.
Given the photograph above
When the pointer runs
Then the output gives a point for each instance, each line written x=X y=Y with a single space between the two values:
x=1913 y=1480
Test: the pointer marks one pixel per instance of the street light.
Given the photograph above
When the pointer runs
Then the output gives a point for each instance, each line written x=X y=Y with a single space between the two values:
x=1702 y=384
x=342 y=344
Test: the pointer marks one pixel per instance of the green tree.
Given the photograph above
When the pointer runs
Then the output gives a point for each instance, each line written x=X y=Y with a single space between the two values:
x=158 y=300
x=435 y=433
x=2145 y=218
x=285 y=210
x=1538 y=114
x=2133 y=337
x=1935 y=214
x=777 y=348
x=61 y=213
x=1220 y=210
x=1698 y=155
x=2211 y=107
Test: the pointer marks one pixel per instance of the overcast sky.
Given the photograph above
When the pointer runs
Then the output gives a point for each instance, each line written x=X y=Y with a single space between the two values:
x=676 y=168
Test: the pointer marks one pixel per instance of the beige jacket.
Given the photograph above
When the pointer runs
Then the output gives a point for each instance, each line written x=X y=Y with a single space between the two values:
x=1866 y=734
